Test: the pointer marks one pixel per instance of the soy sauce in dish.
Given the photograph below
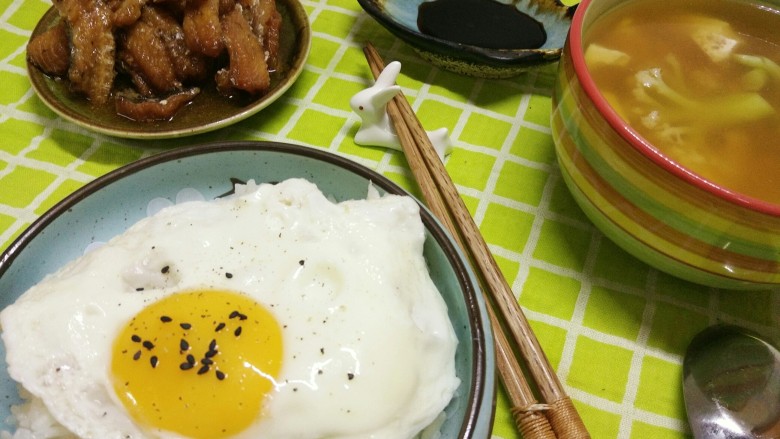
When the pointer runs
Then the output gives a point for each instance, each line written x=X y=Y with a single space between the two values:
x=483 y=23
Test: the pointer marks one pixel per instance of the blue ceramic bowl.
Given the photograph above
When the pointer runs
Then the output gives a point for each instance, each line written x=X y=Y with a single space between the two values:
x=112 y=203
x=400 y=17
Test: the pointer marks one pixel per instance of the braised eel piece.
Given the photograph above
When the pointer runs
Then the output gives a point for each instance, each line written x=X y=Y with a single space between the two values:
x=247 y=69
x=50 y=51
x=153 y=53
x=93 y=48
x=202 y=27
x=144 y=109
x=265 y=21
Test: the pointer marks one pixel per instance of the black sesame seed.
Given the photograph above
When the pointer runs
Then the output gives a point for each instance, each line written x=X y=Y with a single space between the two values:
x=211 y=353
x=236 y=314
x=350 y=376
x=219 y=327
x=207 y=361
x=137 y=355
x=220 y=375
x=185 y=325
x=191 y=359
x=229 y=275
x=183 y=345
x=165 y=319
x=135 y=338
x=213 y=345
x=139 y=289
x=153 y=360
x=203 y=369
x=301 y=262
x=186 y=366
x=237 y=332
x=165 y=269
x=148 y=345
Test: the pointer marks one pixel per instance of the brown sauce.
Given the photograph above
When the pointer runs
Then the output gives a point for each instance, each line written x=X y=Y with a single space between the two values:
x=482 y=23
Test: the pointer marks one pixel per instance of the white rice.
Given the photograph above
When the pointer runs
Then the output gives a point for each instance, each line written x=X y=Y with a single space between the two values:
x=32 y=420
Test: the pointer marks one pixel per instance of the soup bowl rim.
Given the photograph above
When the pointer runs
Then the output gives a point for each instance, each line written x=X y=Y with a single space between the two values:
x=638 y=142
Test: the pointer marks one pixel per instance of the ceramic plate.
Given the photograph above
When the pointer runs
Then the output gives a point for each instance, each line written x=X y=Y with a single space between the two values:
x=110 y=204
x=400 y=17
x=207 y=112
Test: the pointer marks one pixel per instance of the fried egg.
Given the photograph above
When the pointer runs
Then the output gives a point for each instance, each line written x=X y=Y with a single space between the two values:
x=272 y=313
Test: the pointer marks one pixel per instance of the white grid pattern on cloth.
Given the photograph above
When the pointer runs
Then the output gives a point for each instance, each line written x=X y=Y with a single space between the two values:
x=486 y=197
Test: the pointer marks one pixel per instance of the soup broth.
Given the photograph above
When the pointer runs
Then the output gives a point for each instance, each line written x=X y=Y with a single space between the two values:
x=700 y=80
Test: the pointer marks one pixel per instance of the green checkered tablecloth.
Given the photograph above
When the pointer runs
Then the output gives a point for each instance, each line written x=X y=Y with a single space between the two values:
x=614 y=329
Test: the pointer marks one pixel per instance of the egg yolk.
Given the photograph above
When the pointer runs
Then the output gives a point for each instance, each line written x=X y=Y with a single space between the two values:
x=197 y=363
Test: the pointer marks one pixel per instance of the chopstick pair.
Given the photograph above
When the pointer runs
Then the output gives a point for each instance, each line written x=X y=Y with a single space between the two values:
x=557 y=416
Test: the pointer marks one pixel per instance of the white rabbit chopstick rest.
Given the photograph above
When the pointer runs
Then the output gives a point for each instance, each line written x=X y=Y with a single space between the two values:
x=375 y=128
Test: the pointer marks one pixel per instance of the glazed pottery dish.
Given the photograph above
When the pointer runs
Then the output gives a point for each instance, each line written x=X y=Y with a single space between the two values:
x=209 y=186
x=665 y=126
x=482 y=38
x=208 y=110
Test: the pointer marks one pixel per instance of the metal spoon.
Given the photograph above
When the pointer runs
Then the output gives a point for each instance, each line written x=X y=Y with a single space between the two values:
x=731 y=383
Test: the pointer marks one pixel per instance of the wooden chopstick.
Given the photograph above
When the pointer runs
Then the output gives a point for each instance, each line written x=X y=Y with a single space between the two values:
x=526 y=411
x=446 y=203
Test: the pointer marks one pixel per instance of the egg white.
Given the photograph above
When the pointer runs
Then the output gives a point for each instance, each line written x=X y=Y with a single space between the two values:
x=368 y=346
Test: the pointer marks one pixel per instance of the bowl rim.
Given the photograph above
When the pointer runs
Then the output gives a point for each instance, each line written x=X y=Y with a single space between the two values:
x=479 y=393
x=639 y=143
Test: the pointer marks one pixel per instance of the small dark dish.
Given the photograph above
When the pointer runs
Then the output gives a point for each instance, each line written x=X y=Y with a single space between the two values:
x=401 y=17
x=207 y=112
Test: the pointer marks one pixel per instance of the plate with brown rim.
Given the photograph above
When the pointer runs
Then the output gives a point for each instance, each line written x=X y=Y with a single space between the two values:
x=207 y=112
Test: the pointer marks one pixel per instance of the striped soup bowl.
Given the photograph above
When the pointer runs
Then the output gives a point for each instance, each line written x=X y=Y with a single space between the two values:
x=655 y=209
